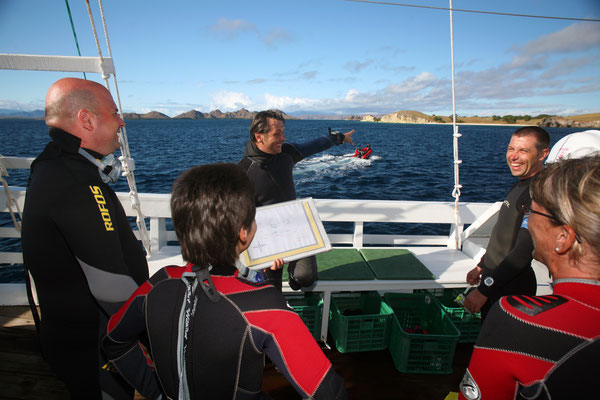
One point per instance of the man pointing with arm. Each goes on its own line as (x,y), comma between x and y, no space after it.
(269,161)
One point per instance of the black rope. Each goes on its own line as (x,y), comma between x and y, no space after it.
(474,11)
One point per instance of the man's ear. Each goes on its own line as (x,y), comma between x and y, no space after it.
(564,239)
(544,153)
(259,137)
(85,118)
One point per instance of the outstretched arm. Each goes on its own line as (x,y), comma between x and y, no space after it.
(299,151)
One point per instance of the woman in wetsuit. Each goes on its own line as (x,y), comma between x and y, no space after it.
(547,347)
(209,330)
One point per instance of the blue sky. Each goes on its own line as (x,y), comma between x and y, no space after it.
(320,56)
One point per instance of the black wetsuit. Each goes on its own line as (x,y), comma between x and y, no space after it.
(220,345)
(544,347)
(507,259)
(271,175)
(85,261)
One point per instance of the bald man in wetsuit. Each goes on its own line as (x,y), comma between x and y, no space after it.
(77,242)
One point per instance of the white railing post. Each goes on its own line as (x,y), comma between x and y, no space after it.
(158,234)
(357,238)
(455,231)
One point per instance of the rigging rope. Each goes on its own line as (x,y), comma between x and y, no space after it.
(455,136)
(125,158)
(476,11)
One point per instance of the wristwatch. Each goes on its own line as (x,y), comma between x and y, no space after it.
(488,281)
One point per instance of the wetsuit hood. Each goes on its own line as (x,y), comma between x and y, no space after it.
(64,140)
(63,144)
(257,154)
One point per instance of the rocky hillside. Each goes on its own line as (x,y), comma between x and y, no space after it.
(194,114)
(560,122)
(416,117)
(150,115)
(401,117)
(218,114)
(411,117)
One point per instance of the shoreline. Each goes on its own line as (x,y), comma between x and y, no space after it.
(450,123)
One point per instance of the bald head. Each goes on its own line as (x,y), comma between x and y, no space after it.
(87,110)
(69,95)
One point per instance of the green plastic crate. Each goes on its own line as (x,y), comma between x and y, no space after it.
(467,324)
(359,322)
(309,307)
(422,353)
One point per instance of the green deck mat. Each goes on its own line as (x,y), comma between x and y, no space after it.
(340,265)
(395,264)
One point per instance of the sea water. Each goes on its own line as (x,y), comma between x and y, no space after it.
(409,161)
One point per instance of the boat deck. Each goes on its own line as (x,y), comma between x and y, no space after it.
(368,375)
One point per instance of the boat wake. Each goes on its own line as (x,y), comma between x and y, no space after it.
(328,165)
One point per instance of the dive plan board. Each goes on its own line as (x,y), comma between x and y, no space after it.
(289,230)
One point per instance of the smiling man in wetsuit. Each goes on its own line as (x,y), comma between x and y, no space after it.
(505,268)
(77,242)
(269,161)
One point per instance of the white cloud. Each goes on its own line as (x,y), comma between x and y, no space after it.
(415,84)
(275,37)
(566,66)
(289,104)
(309,75)
(26,106)
(352,93)
(577,37)
(231,28)
(230,101)
(357,66)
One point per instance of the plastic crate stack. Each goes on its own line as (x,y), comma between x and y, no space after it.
(423,338)
(359,322)
(468,324)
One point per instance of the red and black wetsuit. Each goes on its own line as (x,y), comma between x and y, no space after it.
(85,261)
(544,347)
(226,341)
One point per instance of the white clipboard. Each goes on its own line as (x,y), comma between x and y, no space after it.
(291,230)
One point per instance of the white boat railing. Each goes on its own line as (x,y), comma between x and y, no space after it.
(479,217)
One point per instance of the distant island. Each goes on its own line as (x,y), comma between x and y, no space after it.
(544,120)
(400,117)
(242,113)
